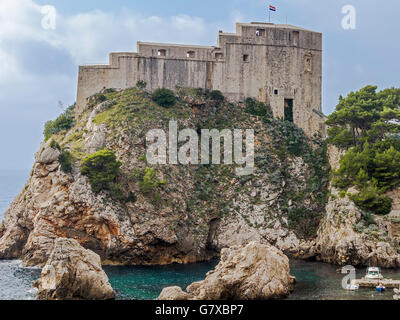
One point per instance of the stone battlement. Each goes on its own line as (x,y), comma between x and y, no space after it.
(280,65)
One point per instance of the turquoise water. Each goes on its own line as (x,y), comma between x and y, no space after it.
(315,281)
(138,283)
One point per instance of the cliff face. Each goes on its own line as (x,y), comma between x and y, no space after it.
(347,237)
(198,211)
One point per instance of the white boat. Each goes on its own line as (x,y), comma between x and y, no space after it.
(373,273)
(353,287)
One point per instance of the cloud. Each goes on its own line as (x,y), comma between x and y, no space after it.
(87,37)
(38,66)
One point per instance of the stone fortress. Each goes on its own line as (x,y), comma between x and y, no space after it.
(280,65)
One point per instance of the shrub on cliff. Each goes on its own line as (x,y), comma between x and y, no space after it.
(64,122)
(164,97)
(304,222)
(141,85)
(217,96)
(102,169)
(150,181)
(257,108)
(371,200)
(65,160)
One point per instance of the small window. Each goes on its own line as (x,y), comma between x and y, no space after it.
(219,55)
(162,52)
(191,54)
(260,32)
(308,64)
(245,57)
(276,91)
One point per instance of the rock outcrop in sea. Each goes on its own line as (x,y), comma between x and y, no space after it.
(73,272)
(252,272)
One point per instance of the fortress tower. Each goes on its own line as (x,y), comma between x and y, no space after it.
(280,65)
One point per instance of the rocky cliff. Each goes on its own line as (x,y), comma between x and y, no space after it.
(196,210)
(349,236)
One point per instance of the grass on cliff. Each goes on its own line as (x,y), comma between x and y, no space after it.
(63,123)
(134,107)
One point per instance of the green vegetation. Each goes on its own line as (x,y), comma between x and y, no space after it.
(102,169)
(288,138)
(54,145)
(370,199)
(65,160)
(257,108)
(141,85)
(150,181)
(217,96)
(133,108)
(366,123)
(164,97)
(304,222)
(64,122)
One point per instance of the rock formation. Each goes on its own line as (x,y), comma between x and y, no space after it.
(199,210)
(343,236)
(73,272)
(339,243)
(253,272)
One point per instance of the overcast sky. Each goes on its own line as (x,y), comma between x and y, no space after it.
(38,67)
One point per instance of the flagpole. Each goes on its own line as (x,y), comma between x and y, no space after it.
(269,11)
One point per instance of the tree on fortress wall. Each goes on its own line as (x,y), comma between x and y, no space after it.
(367,124)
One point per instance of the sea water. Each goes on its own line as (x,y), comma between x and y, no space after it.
(314,281)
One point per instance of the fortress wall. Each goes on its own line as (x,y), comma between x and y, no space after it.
(175,51)
(260,61)
(124,72)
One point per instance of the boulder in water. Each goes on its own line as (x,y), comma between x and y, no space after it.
(73,272)
(252,272)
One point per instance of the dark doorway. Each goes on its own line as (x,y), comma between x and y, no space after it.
(289,110)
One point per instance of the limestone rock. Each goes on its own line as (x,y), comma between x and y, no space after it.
(73,272)
(252,272)
(173,293)
(339,242)
(47,154)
